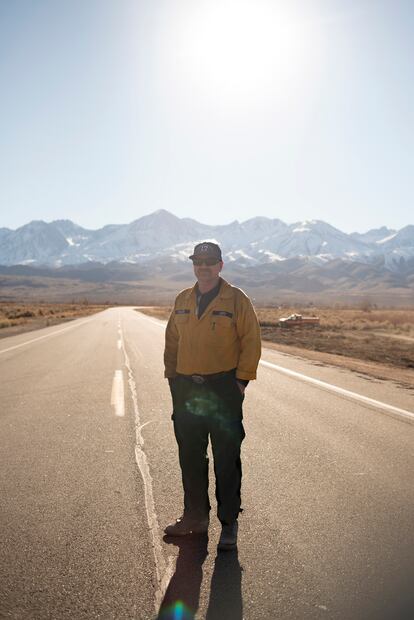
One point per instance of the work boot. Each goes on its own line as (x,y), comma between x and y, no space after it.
(228,538)
(186,525)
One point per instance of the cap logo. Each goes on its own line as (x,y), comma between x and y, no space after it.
(207,248)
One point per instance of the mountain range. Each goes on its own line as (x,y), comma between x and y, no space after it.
(162,235)
(146,261)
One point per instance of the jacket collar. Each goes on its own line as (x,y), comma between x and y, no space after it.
(225,291)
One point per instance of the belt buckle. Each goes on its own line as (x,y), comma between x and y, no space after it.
(198,379)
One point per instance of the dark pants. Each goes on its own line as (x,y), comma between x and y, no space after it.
(212,409)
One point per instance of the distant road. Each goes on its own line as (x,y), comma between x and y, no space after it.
(89,478)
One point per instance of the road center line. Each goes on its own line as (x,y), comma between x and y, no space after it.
(65,329)
(395,411)
(164,569)
(117,395)
(403,413)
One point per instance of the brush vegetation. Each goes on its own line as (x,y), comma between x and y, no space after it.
(16,317)
(379,335)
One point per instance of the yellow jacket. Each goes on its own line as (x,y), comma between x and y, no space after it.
(226,336)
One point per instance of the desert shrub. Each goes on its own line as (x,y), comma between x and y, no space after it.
(365,325)
(406,329)
(366,305)
(383,325)
(19,313)
(27,314)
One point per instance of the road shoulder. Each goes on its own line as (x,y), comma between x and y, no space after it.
(404,377)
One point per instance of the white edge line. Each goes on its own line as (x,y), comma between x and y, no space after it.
(65,329)
(159,322)
(396,411)
(333,388)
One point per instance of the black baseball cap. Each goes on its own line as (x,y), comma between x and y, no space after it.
(206,249)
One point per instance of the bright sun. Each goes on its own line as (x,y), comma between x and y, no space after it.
(239,49)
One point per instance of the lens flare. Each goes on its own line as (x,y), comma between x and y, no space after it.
(177,611)
(210,405)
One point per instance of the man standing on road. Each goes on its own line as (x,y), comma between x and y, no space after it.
(212,349)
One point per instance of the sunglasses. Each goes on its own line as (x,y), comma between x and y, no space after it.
(205,261)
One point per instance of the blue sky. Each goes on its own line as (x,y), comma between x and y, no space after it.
(215,109)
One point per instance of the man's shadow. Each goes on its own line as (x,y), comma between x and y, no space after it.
(182,597)
(225,592)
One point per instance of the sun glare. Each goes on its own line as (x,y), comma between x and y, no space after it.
(234,50)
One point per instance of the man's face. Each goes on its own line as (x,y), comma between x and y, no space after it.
(207,269)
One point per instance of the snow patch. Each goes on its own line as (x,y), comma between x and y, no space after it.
(272,257)
(243,254)
(301,229)
(72,243)
(386,239)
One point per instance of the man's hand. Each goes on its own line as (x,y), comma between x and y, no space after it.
(242,387)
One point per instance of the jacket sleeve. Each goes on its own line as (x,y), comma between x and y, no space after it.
(171,347)
(248,330)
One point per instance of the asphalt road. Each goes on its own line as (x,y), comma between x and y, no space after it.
(89,477)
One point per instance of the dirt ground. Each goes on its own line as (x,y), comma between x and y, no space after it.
(375,342)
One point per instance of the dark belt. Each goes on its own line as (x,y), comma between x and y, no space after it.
(200,379)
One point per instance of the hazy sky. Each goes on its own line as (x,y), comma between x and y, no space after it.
(212,109)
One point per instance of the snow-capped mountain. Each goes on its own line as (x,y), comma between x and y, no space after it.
(161,236)
(312,238)
(376,235)
(404,238)
(36,242)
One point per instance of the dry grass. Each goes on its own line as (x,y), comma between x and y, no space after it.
(159,312)
(338,319)
(16,317)
(383,336)
(376,335)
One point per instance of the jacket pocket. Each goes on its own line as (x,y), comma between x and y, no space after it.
(221,324)
(181,322)
(181,318)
